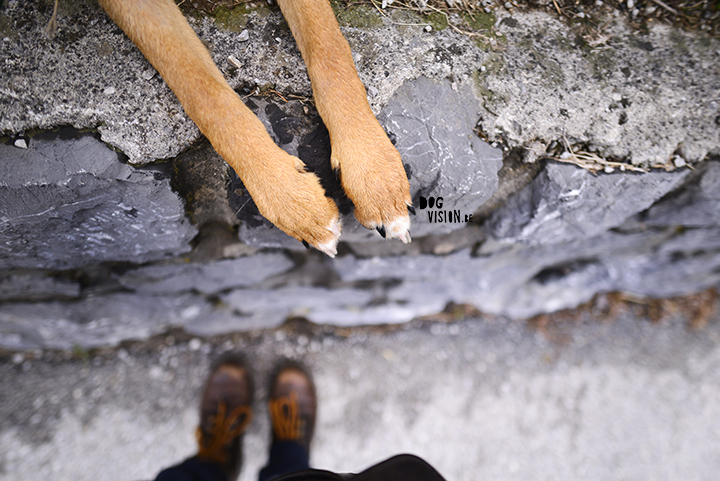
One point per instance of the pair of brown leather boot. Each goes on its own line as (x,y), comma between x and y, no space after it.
(226,410)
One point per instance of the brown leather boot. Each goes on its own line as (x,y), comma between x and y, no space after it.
(293,404)
(225,413)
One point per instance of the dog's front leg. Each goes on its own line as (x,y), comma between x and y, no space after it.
(284,192)
(370,167)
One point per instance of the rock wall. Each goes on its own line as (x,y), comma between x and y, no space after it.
(117,221)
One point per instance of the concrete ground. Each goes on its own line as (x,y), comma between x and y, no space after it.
(481,398)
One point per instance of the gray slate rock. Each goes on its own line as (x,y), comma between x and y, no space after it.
(433,124)
(36,286)
(522,281)
(698,205)
(96,321)
(565,202)
(265,308)
(65,203)
(209,278)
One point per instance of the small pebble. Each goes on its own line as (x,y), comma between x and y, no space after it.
(109,91)
(244,36)
(630,4)
(609,170)
(21,144)
(508,5)
(194,344)
(679,162)
(428,28)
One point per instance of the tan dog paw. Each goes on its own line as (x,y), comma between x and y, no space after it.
(293,200)
(373,176)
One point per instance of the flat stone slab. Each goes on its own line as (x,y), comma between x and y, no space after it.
(66,203)
(205,278)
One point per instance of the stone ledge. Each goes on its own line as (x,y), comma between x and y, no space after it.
(552,237)
(645,255)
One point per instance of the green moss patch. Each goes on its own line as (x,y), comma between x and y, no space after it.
(480,21)
(358,16)
(437,20)
(232,18)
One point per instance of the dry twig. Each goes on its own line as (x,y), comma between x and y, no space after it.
(666,7)
(593,162)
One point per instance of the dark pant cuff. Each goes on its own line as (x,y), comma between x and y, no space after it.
(285,457)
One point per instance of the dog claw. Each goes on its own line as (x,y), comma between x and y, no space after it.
(411,209)
(381,231)
(305,243)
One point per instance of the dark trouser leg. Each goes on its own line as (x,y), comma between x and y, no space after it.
(193,469)
(285,457)
(404,467)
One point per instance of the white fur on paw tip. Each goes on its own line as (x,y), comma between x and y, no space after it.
(399,229)
(330,247)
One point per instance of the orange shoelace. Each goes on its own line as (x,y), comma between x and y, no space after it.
(285,416)
(224,430)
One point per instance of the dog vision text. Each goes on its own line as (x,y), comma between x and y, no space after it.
(447,217)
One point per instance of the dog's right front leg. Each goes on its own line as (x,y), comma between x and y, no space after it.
(371,170)
(283,191)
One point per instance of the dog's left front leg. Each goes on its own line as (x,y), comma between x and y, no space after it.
(286,193)
(371,170)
